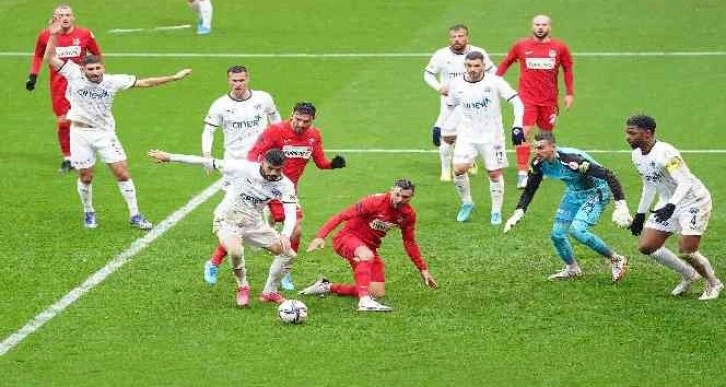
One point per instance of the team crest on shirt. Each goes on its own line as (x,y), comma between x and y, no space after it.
(76,41)
(276,192)
(580,167)
(311,141)
(553,53)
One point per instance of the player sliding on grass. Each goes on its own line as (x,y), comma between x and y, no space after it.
(366,223)
(684,207)
(238,218)
(589,187)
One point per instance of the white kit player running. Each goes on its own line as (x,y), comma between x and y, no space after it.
(448,64)
(683,207)
(91,93)
(238,218)
(477,113)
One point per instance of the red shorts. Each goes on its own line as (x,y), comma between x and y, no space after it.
(58,100)
(278,212)
(345,246)
(544,116)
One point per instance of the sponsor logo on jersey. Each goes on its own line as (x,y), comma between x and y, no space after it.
(484,102)
(297,152)
(68,51)
(540,63)
(76,41)
(251,199)
(94,94)
(456,74)
(245,124)
(381,225)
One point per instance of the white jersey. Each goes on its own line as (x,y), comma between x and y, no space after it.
(91,102)
(249,192)
(658,168)
(448,65)
(478,110)
(242,121)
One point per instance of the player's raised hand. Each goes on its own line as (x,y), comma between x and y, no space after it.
(569,100)
(513,220)
(182,74)
(428,279)
(316,244)
(54,26)
(159,155)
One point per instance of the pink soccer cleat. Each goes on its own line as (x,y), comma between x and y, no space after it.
(272,297)
(243,295)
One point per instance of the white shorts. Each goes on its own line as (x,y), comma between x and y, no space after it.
(690,218)
(444,113)
(258,234)
(86,143)
(494,155)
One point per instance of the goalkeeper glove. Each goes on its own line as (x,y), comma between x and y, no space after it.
(513,220)
(636,227)
(337,162)
(30,83)
(664,213)
(436,135)
(517,136)
(621,215)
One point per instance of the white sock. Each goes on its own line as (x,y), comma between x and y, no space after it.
(239,270)
(702,266)
(446,151)
(128,191)
(496,189)
(206,10)
(461,182)
(85,191)
(666,258)
(279,267)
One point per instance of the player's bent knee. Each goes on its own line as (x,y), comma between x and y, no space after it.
(558,233)
(579,231)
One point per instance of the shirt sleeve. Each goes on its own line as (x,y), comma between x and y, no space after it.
(430,72)
(93,47)
(319,154)
(71,72)
(567,70)
(361,208)
(506,92)
(265,142)
(121,81)
(38,53)
(273,115)
(534,178)
(676,168)
(507,61)
(408,234)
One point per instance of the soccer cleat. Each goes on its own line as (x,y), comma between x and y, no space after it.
(65,167)
(496,218)
(712,291)
(321,287)
(210,273)
(140,222)
(618,267)
(243,295)
(445,176)
(286,282)
(565,273)
(271,297)
(474,169)
(684,285)
(202,30)
(464,212)
(521,181)
(89,220)
(368,304)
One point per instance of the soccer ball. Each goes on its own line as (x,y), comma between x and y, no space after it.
(292,312)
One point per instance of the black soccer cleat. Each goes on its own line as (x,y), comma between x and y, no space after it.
(66,167)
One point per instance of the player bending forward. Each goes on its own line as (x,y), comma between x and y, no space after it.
(589,187)
(684,207)
(238,218)
(366,223)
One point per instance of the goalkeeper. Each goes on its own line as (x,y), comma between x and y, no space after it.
(589,187)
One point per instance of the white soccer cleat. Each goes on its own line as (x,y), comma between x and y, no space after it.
(368,304)
(521,181)
(565,273)
(684,285)
(618,267)
(712,291)
(321,287)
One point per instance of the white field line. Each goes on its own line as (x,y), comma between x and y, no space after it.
(408,151)
(117,262)
(160,28)
(362,55)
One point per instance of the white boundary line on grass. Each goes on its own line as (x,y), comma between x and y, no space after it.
(160,28)
(356,55)
(140,244)
(117,262)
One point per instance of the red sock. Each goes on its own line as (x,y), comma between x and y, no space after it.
(218,255)
(64,137)
(523,152)
(344,290)
(295,244)
(362,276)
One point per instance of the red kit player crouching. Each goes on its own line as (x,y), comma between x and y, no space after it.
(366,223)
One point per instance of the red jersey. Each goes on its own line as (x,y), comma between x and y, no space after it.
(371,218)
(539,64)
(298,148)
(74,45)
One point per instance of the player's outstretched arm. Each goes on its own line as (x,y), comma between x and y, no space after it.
(156,81)
(161,156)
(54,28)
(316,244)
